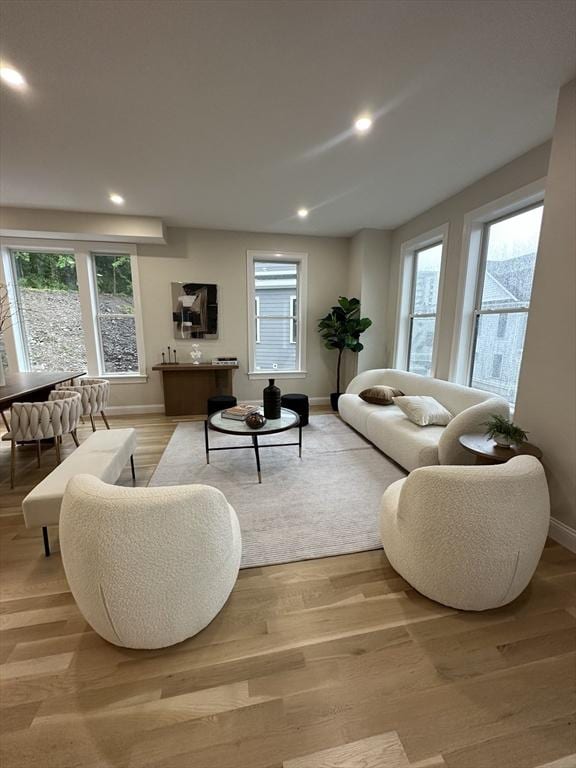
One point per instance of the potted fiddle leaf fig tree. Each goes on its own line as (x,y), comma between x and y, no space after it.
(341,329)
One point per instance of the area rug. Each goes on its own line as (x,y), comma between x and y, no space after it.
(326,503)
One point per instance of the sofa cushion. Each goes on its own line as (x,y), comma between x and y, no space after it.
(380,394)
(423,410)
(397,437)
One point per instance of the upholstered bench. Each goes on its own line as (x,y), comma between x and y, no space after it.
(102,454)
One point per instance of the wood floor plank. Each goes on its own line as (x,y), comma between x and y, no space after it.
(319,664)
(383,751)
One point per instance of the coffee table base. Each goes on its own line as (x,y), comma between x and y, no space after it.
(254,445)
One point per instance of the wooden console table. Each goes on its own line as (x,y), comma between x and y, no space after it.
(187,387)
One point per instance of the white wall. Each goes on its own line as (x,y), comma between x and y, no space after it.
(546,403)
(525,169)
(370,252)
(220,257)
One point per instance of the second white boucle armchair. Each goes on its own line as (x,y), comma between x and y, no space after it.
(468,537)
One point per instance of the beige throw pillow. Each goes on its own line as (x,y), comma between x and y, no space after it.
(380,395)
(423,410)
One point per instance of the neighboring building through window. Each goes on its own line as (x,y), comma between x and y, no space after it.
(275,281)
(424,302)
(508,259)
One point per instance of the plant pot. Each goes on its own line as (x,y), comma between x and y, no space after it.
(334,397)
(503,441)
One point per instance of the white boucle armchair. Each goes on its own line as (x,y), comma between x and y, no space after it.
(468,537)
(148,567)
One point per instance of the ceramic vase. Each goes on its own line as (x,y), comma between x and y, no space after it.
(271,396)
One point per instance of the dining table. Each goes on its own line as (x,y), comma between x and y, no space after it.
(31,386)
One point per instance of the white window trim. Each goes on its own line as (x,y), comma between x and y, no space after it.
(82,250)
(286,256)
(470,271)
(408,249)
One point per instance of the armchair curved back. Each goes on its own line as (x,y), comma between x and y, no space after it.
(38,421)
(473,530)
(148,567)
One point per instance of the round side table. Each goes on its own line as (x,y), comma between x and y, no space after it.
(489,452)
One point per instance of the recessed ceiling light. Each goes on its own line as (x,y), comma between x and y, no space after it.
(302,212)
(363,124)
(116,199)
(12,77)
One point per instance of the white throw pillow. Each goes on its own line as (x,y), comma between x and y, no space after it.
(423,410)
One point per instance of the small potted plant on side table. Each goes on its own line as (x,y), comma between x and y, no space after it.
(504,432)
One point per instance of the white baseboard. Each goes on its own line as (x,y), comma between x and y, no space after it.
(126,410)
(311,400)
(563,534)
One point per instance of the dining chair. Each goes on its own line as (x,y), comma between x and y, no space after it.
(94,394)
(33,422)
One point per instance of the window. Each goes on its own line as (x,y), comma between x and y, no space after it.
(424,301)
(74,308)
(115,313)
(48,310)
(509,247)
(277,284)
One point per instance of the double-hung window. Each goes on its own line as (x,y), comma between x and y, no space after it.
(423,306)
(420,293)
(74,308)
(506,273)
(277,290)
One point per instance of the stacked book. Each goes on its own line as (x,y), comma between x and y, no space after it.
(239,412)
(224,361)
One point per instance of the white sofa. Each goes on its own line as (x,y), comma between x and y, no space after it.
(468,537)
(148,567)
(406,443)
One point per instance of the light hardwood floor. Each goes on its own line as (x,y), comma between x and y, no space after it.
(333,663)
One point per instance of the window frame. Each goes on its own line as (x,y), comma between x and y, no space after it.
(301,259)
(481,279)
(82,251)
(406,293)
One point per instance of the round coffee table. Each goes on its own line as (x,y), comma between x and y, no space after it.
(489,452)
(288,419)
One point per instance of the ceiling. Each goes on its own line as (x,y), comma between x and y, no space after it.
(231,115)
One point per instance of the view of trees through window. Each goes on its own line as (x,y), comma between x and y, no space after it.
(115,311)
(49,310)
(510,247)
(50,313)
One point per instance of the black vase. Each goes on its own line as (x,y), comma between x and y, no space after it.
(271,395)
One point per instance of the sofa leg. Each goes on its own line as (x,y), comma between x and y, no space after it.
(46,541)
